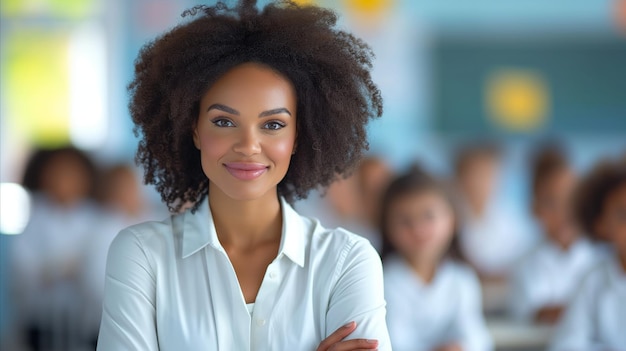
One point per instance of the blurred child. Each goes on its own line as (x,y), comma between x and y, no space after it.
(595,319)
(490,239)
(433,300)
(547,277)
(341,205)
(46,256)
(374,176)
(123,204)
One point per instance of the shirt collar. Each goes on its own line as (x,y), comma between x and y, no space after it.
(199,231)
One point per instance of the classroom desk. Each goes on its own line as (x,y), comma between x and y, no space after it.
(510,335)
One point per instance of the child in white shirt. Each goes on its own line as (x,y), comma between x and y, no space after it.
(595,319)
(433,300)
(545,280)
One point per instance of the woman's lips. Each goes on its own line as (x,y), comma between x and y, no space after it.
(245,171)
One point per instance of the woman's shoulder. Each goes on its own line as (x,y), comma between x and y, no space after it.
(338,249)
(146,236)
(336,239)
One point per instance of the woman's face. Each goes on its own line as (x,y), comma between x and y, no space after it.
(246,131)
(421,225)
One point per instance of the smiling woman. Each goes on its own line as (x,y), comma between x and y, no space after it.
(240,112)
(247,132)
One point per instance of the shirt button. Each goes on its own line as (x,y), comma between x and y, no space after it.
(260,322)
(272,275)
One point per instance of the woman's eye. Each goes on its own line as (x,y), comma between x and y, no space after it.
(273,125)
(221,122)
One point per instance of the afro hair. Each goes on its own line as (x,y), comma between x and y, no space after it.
(329,68)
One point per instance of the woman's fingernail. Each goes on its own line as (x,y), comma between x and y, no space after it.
(372,341)
(350,324)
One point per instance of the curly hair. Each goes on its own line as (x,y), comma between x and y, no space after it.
(593,191)
(417,181)
(329,68)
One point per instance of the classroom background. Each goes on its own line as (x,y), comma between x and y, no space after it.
(452,74)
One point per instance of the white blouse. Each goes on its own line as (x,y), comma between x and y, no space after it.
(422,317)
(595,319)
(171,286)
(549,276)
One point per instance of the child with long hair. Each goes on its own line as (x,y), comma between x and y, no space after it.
(433,300)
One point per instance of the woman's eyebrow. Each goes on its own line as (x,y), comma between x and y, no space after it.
(274,112)
(223,108)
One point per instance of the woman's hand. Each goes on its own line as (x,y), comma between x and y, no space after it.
(334,342)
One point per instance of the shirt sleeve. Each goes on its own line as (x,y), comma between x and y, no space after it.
(128,316)
(358,295)
(470,327)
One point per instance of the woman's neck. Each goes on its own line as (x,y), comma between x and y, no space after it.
(247,223)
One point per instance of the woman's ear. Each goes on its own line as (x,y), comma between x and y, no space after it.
(196,138)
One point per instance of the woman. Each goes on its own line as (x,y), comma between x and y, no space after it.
(240,113)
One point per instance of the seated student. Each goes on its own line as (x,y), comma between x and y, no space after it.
(491,237)
(545,280)
(46,257)
(595,318)
(433,300)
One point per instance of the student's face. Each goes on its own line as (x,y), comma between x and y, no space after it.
(612,221)
(374,177)
(421,225)
(65,179)
(479,177)
(552,206)
(125,192)
(246,131)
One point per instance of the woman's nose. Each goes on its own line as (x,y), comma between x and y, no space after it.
(248,143)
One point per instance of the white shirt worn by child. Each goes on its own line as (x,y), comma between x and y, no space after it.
(549,276)
(422,317)
(596,319)
(46,259)
(494,242)
(171,286)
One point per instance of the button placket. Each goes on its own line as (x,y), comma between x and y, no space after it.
(264,305)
